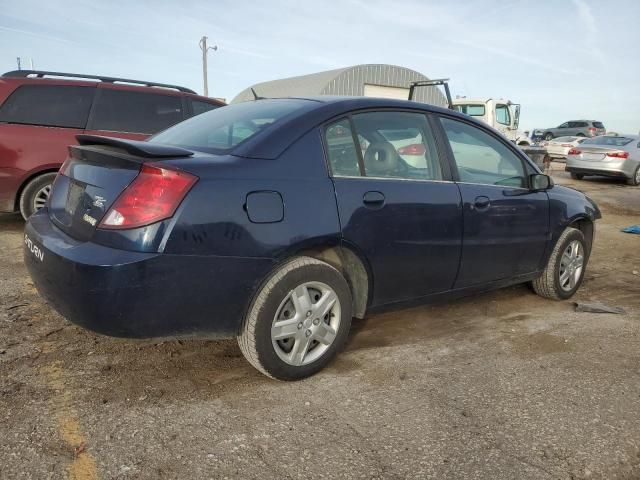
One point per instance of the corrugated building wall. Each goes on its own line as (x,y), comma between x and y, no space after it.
(359,80)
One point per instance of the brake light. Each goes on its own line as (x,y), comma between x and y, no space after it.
(154,195)
(575,151)
(414,149)
(618,154)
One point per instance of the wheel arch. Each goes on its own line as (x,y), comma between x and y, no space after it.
(29,179)
(587,226)
(351,265)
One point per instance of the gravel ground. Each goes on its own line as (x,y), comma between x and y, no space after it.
(499,386)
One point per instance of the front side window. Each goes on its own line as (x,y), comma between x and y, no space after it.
(502,115)
(564,125)
(482,158)
(136,112)
(48,105)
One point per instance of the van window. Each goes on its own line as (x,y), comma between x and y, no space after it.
(136,112)
(198,107)
(48,105)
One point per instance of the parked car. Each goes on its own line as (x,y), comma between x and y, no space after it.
(578,128)
(608,155)
(42,112)
(280,233)
(558,148)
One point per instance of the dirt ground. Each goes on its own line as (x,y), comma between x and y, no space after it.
(504,385)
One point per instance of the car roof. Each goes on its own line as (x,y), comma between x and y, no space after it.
(60,78)
(317,110)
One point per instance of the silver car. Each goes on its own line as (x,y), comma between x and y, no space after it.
(608,155)
(578,128)
(559,147)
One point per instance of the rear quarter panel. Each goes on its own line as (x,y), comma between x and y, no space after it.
(214,219)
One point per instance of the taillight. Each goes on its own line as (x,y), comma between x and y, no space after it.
(575,151)
(592,131)
(154,195)
(618,154)
(414,149)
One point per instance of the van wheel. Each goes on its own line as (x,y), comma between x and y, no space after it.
(35,194)
(565,269)
(577,176)
(298,321)
(635,179)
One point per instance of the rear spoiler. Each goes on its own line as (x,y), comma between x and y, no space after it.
(135,147)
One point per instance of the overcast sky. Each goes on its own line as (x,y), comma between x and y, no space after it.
(560,59)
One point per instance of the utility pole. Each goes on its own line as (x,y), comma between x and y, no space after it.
(205,49)
(19,64)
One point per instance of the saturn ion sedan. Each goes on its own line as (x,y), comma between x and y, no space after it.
(277,221)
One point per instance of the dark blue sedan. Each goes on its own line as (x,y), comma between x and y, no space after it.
(277,221)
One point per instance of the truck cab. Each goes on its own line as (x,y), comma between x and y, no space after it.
(503,115)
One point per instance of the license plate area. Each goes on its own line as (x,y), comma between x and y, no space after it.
(74,198)
(592,156)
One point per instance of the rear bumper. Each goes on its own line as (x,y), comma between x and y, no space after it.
(139,295)
(624,168)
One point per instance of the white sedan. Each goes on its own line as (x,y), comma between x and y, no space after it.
(559,147)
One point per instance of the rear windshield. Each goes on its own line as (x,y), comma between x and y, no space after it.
(598,124)
(610,141)
(222,129)
(564,139)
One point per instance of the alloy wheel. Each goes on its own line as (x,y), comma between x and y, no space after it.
(571,265)
(41,197)
(306,323)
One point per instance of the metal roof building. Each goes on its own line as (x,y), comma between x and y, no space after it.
(387,81)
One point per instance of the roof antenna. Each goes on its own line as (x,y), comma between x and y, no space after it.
(255,95)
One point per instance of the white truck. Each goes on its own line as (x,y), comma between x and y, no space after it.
(503,115)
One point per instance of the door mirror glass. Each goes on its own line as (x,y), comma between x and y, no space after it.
(540,181)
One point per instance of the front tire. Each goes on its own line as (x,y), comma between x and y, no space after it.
(577,176)
(299,320)
(35,194)
(565,269)
(548,136)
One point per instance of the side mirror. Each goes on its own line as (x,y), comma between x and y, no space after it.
(540,181)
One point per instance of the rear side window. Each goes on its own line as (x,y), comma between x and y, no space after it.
(136,112)
(391,145)
(198,107)
(48,105)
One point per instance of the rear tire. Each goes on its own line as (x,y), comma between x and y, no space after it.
(565,269)
(635,179)
(35,194)
(298,321)
(577,176)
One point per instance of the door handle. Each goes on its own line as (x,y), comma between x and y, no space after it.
(373,200)
(481,203)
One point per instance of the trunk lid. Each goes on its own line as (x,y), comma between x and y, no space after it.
(93,177)
(594,153)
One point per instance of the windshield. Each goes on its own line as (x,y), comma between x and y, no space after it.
(222,129)
(608,141)
(469,109)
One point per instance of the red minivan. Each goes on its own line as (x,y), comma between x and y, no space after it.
(42,112)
